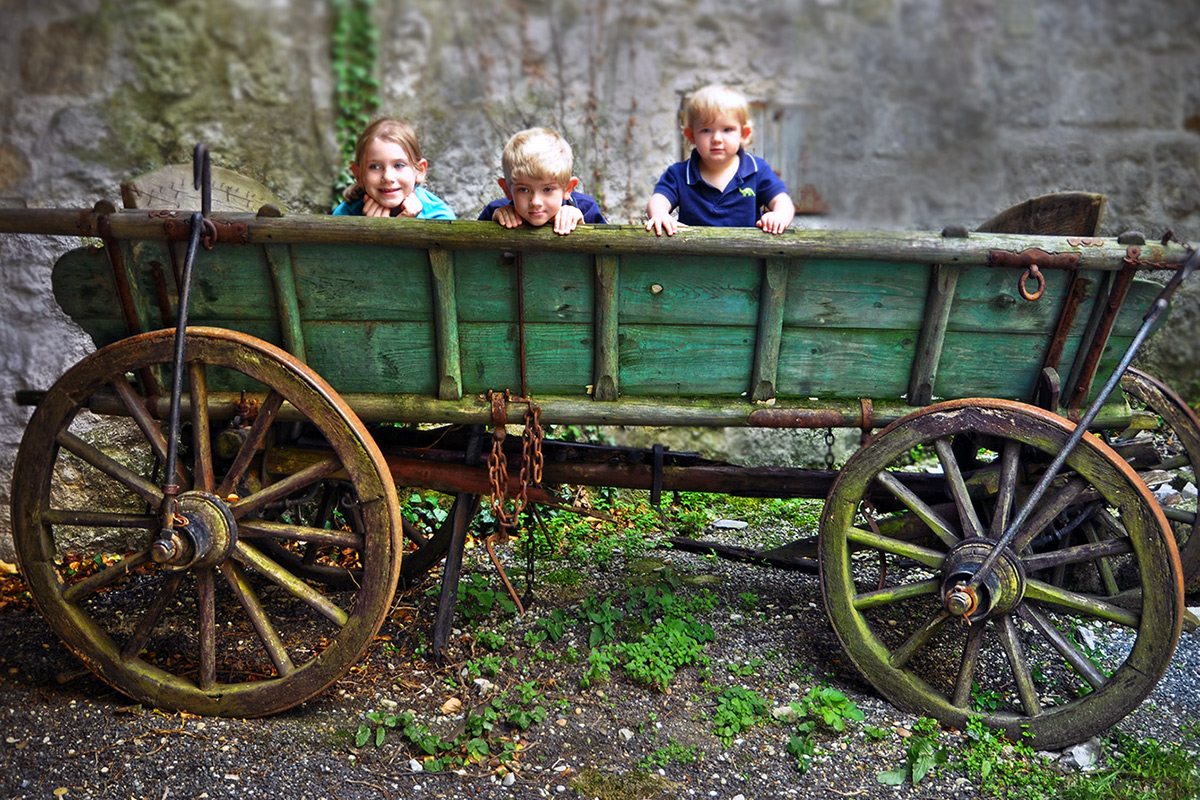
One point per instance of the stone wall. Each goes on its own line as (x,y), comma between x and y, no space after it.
(895,113)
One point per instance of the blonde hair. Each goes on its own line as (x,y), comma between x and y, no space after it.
(711,101)
(389,130)
(538,153)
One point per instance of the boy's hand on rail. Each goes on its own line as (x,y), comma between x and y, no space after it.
(566,220)
(507,216)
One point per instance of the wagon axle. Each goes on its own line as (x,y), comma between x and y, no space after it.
(204,533)
(997,593)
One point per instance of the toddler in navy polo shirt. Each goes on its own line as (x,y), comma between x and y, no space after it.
(538,185)
(720,184)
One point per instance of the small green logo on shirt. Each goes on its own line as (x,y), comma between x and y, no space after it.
(747,191)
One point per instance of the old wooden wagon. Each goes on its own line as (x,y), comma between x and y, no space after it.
(235,551)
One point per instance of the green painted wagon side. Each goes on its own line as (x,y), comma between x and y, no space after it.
(436,315)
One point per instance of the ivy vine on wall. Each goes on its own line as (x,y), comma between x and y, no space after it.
(354,51)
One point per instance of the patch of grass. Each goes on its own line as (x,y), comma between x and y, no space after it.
(1140,770)
(635,785)
(671,753)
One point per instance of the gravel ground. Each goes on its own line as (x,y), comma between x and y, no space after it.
(79,738)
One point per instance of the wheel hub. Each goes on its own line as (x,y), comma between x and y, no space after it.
(204,538)
(1000,591)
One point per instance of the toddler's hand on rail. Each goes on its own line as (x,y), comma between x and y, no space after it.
(663,224)
(566,220)
(773,222)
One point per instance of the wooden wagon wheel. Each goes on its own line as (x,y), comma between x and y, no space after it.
(224,629)
(1173,444)
(1023,654)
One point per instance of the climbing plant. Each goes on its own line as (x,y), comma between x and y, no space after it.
(354,51)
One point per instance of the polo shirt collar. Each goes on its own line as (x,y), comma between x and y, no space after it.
(746,166)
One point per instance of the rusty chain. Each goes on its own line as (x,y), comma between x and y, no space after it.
(532,461)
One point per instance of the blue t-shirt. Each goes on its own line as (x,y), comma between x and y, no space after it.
(585,203)
(739,206)
(432,206)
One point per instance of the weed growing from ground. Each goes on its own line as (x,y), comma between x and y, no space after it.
(922,753)
(823,709)
(737,709)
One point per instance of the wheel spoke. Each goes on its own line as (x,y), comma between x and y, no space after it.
(904,653)
(1010,464)
(270,639)
(110,467)
(288,486)
(1078,661)
(147,424)
(207,626)
(280,576)
(922,555)
(1047,511)
(251,528)
(254,439)
(968,665)
(1006,629)
(958,489)
(1102,564)
(890,595)
(98,519)
(1077,554)
(151,616)
(78,591)
(201,429)
(940,527)
(1074,602)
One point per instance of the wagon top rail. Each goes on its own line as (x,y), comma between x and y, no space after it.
(953,246)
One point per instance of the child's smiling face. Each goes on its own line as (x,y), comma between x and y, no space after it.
(718,139)
(537,200)
(387,173)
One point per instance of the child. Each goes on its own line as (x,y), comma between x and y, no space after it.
(538,185)
(388,172)
(720,184)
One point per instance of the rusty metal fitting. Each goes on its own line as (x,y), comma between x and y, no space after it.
(961,601)
(1032,272)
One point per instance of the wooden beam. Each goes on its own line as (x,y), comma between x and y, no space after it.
(287,304)
(942,281)
(771,302)
(445,322)
(606,364)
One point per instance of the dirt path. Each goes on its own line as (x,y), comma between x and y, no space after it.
(81,739)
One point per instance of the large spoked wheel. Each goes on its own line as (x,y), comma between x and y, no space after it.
(1060,663)
(1174,444)
(212,623)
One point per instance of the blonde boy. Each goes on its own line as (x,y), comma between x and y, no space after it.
(538,185)
(720,184)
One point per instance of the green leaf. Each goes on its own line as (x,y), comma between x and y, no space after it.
(380,735)
(362,735)
(893,777)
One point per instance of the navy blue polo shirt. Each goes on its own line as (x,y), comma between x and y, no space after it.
(700,203)
(585,203)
